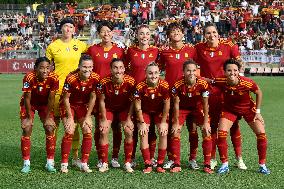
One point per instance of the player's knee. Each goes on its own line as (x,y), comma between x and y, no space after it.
(86,130)
(27,131)
(49,129)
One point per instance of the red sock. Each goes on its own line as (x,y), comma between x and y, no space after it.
(86,147)
(161,156)
(104,153)
(236,139)
(207,148)
(135,141)
(66,147)
(26,147)
(214,142)
(146,156)
(128,147)
(152,141)
(169,148)
(176,150)
(261,147)
(50,143)
(116,141)
(223,145)
(193,143)
(97,141)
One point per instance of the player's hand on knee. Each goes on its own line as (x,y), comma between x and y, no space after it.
(163,129)
(176,128)
(87,123)
(69,125)
(128,124)
(104,126)
(258,117)
(27,122)
(206,129)
(143,129)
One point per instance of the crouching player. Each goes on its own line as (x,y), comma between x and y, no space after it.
(115,102)
(77,102)
(190,95)
(239,103)
(39,88)
(152,103)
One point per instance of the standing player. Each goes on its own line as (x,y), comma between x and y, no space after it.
(115,103)
(171,60)
(77,103)
(239,103)
(152,104)
(102,54)
(136,60)
(211,56)
(65,54)
(39,88)
(190,95)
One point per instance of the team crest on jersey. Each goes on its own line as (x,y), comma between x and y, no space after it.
(105,55)
(114,55)
(174,90)
(116,92)
(189,95)
(177,56)
(143,56)
(75,47)
(220,53)
(26,85)
(186,55)
(83,88)
(40,88)
(153,96)
(99,87)
(150,55)
(66,86)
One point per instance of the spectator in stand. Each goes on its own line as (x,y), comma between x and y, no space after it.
(34,6)
(28,10)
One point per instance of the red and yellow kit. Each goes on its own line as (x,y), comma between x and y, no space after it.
(237,99)
(172,60)
(117,97)
(40,91)
(191,99)
(103,56)
(211,60)
(152,99)
(137,59)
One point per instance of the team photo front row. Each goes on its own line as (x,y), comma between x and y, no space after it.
(140,109)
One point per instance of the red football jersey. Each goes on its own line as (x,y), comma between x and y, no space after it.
(172,60)
(190,97)
(237,98)
(80,90)
(211,60)
(39,89)
(117,97)
(152,99)
(102,57)
(137,59)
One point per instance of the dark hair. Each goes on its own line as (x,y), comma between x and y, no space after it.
(142,26)
(106,24)
(209,24)
(115,60)
(173,26)
(66,20)
(189,61)
(85,57)
(232,61)
(39,60)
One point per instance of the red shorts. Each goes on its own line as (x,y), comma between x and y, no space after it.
(232,116)
(42,112)
(156,118)
(78,111)
(121,116)
(197,115)
(215,108)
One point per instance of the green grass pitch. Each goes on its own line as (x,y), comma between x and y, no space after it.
(11,163)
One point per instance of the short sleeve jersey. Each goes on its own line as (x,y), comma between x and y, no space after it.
(80,90)
(66,57)
(190,97)
(39,90)
(103,56)
(117,97)
(136,61)
(172,60)
(237,98)
(152,98)
(211,60)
